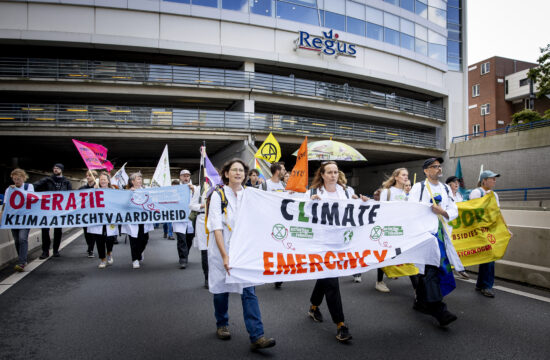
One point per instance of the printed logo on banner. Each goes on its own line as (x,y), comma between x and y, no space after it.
(348,235)
(393,231)
(142,199)
(279,233)
(492,239)
(376,233)
(301,232)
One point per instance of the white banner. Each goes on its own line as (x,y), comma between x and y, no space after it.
(161,177)
(277,238)
(120,179)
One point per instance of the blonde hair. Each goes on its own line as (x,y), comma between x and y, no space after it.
(342,178)
(391,180)
(19,172)
(105,173)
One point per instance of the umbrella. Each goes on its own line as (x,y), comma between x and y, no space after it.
(332,150)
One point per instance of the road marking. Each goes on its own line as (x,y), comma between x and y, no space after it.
(513,291)
(15,278)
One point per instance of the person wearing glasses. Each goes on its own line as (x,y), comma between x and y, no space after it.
(429,298)
(221,222)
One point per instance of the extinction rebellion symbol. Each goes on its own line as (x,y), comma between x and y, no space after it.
(269,152)
(279,233)
(491,238)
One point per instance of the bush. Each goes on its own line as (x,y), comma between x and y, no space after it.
(526,116)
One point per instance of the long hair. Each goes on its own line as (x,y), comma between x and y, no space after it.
(228,165)
(391,181)
(105,173)
(318,182)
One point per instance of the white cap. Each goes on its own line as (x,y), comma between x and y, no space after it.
(183,172)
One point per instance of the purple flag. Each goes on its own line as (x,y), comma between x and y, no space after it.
(211,176)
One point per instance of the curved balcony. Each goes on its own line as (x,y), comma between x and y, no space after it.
(193,119)
(153,74)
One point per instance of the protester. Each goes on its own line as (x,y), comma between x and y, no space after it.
(407,187)
(20,236)
(104,235)
(254,179)
(325,186)
(376,194)
(91,175)
(393,189)
(198,205)
(55,182)
(139,234)
(221,220)
(285,178)
(486,274)
(275,183)
(452,182)
(168,231)
(429,298)
(184,229)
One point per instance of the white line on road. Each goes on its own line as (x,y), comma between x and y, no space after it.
(13,279)
(513,291)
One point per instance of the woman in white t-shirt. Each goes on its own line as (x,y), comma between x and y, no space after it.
(393,189)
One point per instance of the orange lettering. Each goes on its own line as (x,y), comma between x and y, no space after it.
(300,260)
(315,262)
(342,256)
(381,257)
(362,258)
(268,264)
(328,264)
(353,260)
(288,266)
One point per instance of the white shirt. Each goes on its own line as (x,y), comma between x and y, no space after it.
(274,186)
(458,197)
(480,192)
(30,189)
(396,194)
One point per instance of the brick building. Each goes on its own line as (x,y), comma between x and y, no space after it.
(487,93)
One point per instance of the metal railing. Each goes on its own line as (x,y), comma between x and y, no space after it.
(524,194)
(504,130)
(194,119)
(152,74)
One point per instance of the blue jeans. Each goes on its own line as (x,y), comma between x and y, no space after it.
(21,240)
(251,312)
(486,276)
(167,227)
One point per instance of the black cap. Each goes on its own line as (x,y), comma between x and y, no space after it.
(431,161)
(59,165)
(451,179)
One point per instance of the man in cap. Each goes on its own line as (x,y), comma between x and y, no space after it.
(184,230)
(486,274)
(429,298)
(56,182)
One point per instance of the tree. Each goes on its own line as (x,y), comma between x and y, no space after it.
(525,116)
(541,74)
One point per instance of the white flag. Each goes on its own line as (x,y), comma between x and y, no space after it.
(161,177)
(120,179)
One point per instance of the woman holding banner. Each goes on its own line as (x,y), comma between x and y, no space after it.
(139,234)
(325,186)
(104,235)
(222,212)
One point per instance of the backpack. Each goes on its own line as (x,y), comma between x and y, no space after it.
(314,191)
(423,185)
(220,190)
(26,186)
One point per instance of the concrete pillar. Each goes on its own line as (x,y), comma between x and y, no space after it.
(248,66)
(244,106)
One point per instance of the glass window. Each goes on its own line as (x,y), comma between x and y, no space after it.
(421,47)
(180,1)
(391,21)
(437,16)
(421,32)
(391,36)
(453,64)
(375,16)
(453,48)
(310,3)
(356,26)
(436,38)
(335,21)
(407,42)
(423,1)
(375,32)
(209,3)
(453,35)
(453,15)
(239,5)
(336,6)
(437,52)
(394,2)
(441,4)
(407,5)
(262,7)
(297,13)
(421,9)
(407,27)
(455,3)
(355,10)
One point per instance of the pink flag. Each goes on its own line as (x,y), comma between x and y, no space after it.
(94,155)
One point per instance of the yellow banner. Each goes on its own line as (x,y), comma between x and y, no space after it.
(270,150)
(480,234)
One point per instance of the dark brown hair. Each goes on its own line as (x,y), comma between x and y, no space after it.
(228,165)
(318,182)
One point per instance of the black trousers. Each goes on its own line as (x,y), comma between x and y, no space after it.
(183,250)
(428,291)
(379,275)
(139,243)
(46,239)
(189,240)
(103,241)
(329,288)
(90,240)
(204,261)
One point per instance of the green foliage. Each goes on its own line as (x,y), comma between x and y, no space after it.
(525,116)
(541,74)
(546,115)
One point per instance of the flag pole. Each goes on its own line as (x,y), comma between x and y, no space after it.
(201,185)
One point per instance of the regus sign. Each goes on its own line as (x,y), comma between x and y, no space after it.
(327,44)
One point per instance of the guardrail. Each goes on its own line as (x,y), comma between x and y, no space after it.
(524,194)
(504,130)
(151,74)
(98,115)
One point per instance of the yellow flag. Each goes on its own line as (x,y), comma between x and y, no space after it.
(270,150)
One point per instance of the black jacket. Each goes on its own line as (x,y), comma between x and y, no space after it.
(49,184)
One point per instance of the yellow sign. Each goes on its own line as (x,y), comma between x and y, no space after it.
(400,270)
(270,150)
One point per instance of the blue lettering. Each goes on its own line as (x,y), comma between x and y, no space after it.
(352,50)
(342,49)
(303,38)
(329,47)
(317,43)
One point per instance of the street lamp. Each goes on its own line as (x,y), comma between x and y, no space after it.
(484,128)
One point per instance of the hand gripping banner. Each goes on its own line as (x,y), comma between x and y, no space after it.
(277,238)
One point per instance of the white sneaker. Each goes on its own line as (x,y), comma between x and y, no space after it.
(357,278)
(381,286)
(110,260)
(135,264)
(102,265)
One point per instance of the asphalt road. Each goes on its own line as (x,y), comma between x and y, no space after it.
(69,309)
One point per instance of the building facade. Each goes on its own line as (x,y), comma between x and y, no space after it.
(387,77)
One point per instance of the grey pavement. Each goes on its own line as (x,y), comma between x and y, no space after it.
(69,309)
